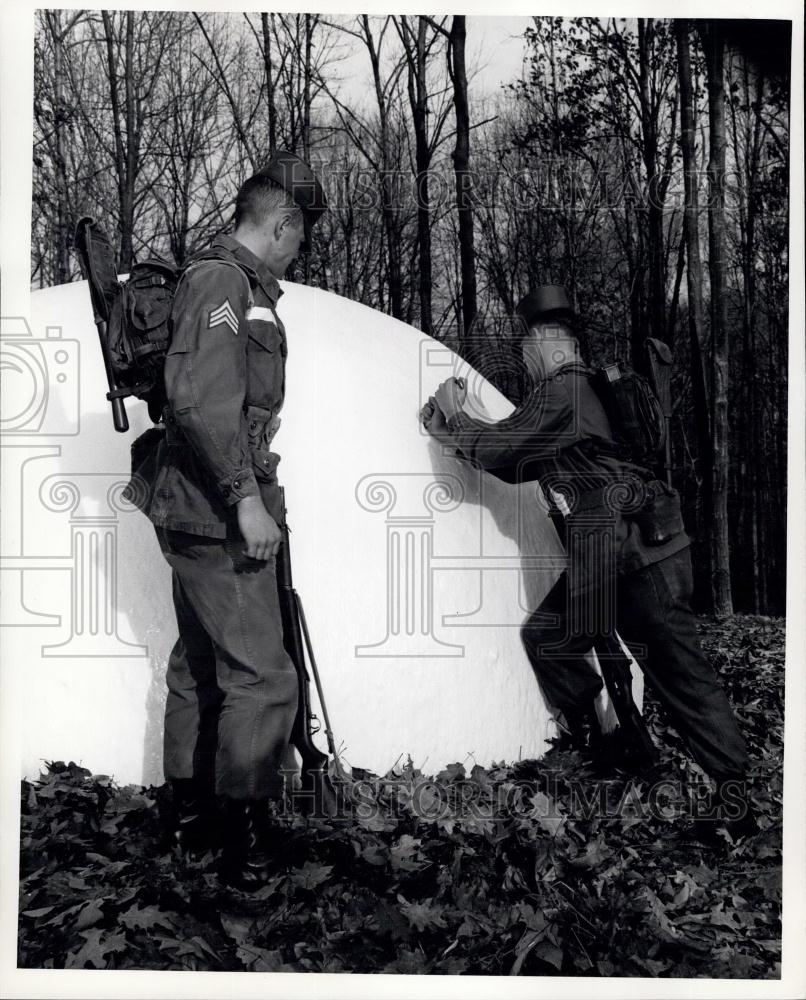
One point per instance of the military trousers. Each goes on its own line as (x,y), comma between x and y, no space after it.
(232,688)
(651,610)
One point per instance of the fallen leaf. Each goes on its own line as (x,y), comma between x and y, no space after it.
(311,875)
(91,914)
(403,854)
(95,949)
(146,918)
(422,915)
(40,912)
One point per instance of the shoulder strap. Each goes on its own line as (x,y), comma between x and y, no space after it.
(570,367)
(224,256)
(219,255)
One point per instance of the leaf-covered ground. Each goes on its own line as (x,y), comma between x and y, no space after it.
(538,868)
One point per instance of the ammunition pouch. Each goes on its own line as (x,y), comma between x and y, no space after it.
(261,426)
(661,518)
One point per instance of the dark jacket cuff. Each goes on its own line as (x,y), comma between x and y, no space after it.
(458,421)
(237,486)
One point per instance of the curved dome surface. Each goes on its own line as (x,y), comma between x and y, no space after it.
(415,570)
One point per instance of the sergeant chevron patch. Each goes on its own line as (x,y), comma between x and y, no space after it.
(223,314)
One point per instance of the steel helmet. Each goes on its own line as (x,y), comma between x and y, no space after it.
(546,302)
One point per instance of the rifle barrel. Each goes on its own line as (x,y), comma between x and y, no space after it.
(331,743)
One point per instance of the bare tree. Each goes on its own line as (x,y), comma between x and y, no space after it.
(418,46)
(714,45)
(694,277)
(53,133)
(461,163)
(267,25)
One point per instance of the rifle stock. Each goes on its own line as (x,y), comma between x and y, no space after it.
(617,676)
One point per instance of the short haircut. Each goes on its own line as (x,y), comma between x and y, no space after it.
(562,324)
(554,320)
(258,198)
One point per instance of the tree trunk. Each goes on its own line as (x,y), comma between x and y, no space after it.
(713,41)
(306,91)
(387,183)
(691,225)
(418,99)
(62,268)
(759,590)
(464,178)
(306,134)
(747,224)
(127,204)
(124,263)
(654,208)
(264,20)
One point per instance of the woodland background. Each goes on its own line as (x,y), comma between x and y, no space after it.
(643,163)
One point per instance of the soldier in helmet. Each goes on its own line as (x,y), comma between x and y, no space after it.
(212,493)
(628,561)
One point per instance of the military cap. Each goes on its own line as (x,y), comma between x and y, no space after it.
(295,175)
(546,302)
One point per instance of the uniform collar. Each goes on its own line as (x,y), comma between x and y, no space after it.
(270,284)
(569,368)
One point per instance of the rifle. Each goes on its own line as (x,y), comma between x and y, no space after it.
(318,794)
(612,659)
(617,676)
(615,666)
(98,265)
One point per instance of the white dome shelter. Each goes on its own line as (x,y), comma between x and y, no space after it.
(416,571)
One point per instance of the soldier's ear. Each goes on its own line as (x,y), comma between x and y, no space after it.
(286,220)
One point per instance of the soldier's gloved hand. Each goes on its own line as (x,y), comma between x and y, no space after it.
(259,529)
(450,396)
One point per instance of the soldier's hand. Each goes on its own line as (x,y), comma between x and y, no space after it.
(434,421)
(450,396)
(259,529)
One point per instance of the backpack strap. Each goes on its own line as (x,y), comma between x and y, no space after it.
(220,256)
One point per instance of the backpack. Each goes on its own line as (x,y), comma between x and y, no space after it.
(634,411)
(133,317)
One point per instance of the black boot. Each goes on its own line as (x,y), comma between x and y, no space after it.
(731,810)
(622,750)
(250,852)
(582,729)
(193,818)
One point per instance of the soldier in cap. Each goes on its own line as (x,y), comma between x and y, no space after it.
(628,556)
(212,493)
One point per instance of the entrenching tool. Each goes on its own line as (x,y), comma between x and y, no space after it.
(98,264)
